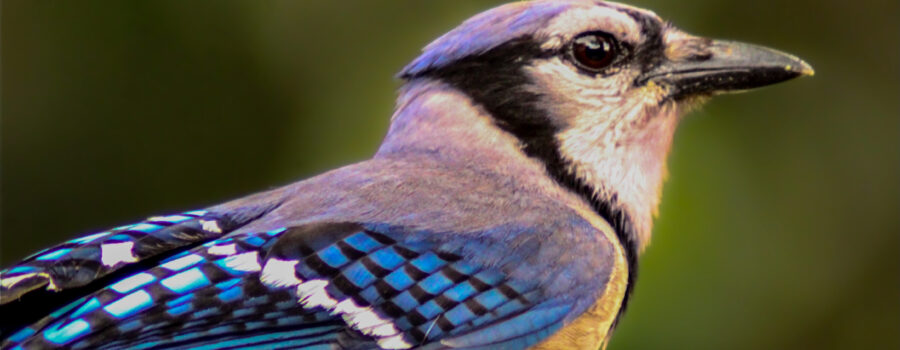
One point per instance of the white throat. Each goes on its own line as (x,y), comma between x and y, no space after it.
(624,161)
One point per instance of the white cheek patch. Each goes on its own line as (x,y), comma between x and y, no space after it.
(572,93)
(623,154)
(313,293)
(114,253)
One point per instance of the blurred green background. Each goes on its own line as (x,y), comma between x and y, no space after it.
(779,225)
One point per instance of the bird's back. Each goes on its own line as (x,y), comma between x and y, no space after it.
(390,240)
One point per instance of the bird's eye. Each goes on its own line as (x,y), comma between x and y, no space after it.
(593,51)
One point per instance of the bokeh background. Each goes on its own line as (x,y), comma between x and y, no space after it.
(779,225)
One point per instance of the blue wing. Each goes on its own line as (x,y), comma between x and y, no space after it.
(402,292)
(48,280)
(333,285)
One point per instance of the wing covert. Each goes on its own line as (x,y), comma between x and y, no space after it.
(345,285)
(404,293)
(50,279)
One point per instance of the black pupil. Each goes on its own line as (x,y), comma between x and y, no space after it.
(593,51)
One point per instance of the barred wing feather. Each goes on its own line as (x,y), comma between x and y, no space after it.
(330,285)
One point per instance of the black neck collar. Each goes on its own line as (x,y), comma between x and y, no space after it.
(495,81)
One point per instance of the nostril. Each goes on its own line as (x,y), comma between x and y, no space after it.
(700,56)
(697,49)
(689,49)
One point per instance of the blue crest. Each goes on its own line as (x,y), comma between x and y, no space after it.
(485,32)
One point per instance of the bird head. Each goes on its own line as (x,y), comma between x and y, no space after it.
(594,90)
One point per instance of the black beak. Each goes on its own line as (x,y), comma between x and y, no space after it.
(726,67)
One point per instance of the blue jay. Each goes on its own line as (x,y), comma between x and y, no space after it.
(505,208)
